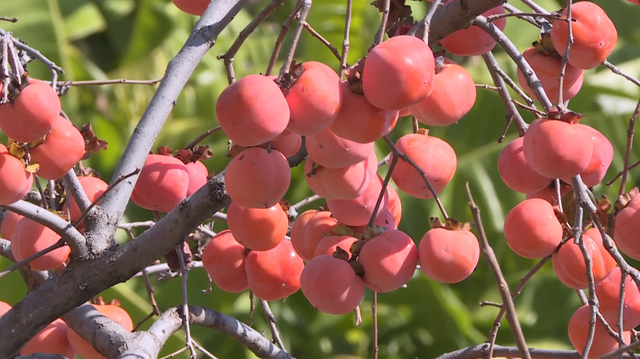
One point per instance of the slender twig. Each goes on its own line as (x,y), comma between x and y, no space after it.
(581,203)
(275,334)
(383,22)
(304,11)
(29,259)
(383,190)
(174,354)
(512,51)
(512,113)
(109,82)
(184,270)
(10,19)
(487,303)
(203,350)
(534,6)
(512,317)
(132,225)
(345,41)
(243,35)
(324,41)
(286,26)
(565,58)
(374,309)
(558,194)
(493,334)
(408,159)
(305,202)
(427,20)
(206,134)
(616,70)
(36,54)
(634,165)
(627,153)
(523,15)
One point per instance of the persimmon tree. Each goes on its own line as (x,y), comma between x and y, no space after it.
(60,218)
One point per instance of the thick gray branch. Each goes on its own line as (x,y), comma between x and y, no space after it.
(82,280)
(204,36)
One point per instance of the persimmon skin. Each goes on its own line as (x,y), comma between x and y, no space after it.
(395,204)
(318,226)
(473,40)
(93,187)
(252,110)
(274,274)
(4,307)
(223,259)
(515,172)
(600,160)
(453,96)
(627,227)
(331,285)
(192,7)
(569,266)
(389,261)
(113,312)
(557,149)
(15,182)
(289,144)
(360,121)
(298,228)
(198,174)
(30,237)
(8,224)
(433,155)
(32,114)
(448,256)
(341,183)
(608,261)
(314,99)
(259,229)
(51,340)
(61,150)
(394,77)
(547,69)
(603,343)
(358,211)
(162,183)
(332,151)
(256,178)
(532,230)
(594,35)
(608,293)
(328,245)
(384,219)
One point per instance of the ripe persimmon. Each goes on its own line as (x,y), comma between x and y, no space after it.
(93,187)
(9,223)
(389,260)
(15,182)
(341,183)
(51,340)
(314,98)
(627,227)
(258,229)
(193,7)
(274,274)
(473,40)
(198,174)
(448,255)
(602,343)
(223,259)
(332,151)
(532,229)
(252,110)
(432,155)
(30,237)
(61,150)
(397,72)
(594,35)
(358,211)
(318,226)
(516,173)
(162,183)
(257,178)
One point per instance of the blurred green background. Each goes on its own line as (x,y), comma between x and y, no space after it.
(135,39)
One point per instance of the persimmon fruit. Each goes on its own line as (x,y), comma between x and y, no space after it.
(532,229)
(223,259)
(61,150)
(448,255)
(259,229)
(389,260)
(162,184)
(274,274)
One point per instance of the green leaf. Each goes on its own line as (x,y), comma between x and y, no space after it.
(84,21)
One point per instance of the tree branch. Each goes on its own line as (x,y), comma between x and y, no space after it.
(217,16)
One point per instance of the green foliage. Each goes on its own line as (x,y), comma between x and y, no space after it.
(135,39)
